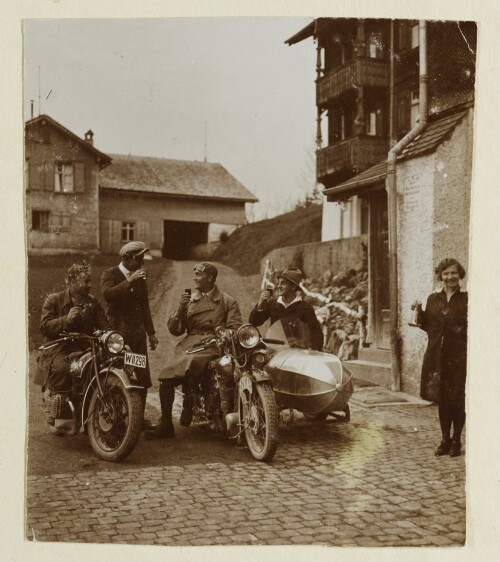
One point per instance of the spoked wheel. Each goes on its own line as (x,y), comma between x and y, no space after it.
(259,417)
(115,420)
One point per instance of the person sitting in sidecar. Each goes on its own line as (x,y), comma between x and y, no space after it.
(297,316)
(71,310)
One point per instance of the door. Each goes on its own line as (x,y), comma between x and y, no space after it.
(381,272)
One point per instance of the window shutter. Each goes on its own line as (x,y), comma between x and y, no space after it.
(49,173)
(79,179)
(34,176)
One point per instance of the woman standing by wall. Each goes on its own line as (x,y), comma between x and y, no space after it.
(445,360)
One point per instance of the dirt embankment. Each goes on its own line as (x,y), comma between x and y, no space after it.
(246,247)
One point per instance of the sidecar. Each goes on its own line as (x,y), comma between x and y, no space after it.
(312,382)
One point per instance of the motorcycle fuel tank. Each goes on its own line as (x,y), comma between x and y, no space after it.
(310,381)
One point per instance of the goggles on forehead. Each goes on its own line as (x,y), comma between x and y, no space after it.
(200,268)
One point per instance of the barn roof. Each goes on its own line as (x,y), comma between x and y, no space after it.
(183,178)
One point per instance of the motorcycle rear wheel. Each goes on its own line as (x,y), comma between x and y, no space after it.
(115,420)
(259,417)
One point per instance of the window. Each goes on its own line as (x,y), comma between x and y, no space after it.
(60,223)
(64,178)
(374,123)
(414,107)
(414,35)
(128,231)
(374,46)
(408,35)
(40,220)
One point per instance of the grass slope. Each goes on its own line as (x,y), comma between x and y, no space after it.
(246,247)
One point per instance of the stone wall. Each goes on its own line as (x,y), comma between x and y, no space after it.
(318,257)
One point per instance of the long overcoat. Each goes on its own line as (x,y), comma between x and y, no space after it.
(54,321)
(445,360)
(198,321)
(127,306)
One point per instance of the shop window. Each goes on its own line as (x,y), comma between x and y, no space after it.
(128,231)
(40,220)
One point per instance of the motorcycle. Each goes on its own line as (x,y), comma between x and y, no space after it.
(105,399)
(313,382)
(235,396)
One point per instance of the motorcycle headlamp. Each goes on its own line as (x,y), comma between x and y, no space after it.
(248,336)
(220,332)
(113,342)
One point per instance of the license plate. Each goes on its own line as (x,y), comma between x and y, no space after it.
(135,360)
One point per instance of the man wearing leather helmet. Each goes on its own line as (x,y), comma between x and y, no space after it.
(197,315)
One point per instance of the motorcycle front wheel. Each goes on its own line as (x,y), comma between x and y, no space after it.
(259,418)
(115,420)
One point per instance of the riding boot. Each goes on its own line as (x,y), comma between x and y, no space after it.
(188,402)
(146,424)
(165,428)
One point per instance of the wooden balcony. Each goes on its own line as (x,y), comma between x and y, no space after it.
(359,72)
(355,154)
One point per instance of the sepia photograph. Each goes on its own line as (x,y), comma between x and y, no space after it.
(248,254)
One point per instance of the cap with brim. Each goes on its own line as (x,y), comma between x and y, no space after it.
(206,267)
(135,249)
(292,275)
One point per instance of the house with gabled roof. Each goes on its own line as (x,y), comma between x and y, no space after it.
(79,199)
(398,92)
(172,205)
(61,181)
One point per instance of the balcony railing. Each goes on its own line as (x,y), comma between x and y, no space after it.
(359,72)
(355,154)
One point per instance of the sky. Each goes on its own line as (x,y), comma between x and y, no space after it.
(152,87)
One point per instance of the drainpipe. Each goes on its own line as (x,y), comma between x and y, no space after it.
(391,187)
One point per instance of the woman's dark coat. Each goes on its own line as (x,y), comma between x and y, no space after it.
(298,319)
(445,360)
(129,313)
(198,321)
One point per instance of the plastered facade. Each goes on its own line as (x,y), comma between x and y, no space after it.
(433,223)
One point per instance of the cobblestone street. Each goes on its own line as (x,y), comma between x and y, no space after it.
(371,482)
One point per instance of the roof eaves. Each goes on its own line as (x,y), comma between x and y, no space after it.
(178,195)
(106,159)
(304,33)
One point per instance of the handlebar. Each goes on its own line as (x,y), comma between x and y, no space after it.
(271,341)
(65,336)
(208,345)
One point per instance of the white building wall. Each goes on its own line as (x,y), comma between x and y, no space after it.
(341,220)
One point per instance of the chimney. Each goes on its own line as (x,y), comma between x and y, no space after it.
(89,137)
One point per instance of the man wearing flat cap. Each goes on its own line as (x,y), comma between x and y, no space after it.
(294,313)
(197,316)
(125,292)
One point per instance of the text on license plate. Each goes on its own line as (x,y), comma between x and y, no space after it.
(135,360)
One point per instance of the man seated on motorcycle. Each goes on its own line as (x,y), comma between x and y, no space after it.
(297,317)
(71,310)
(197,316)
